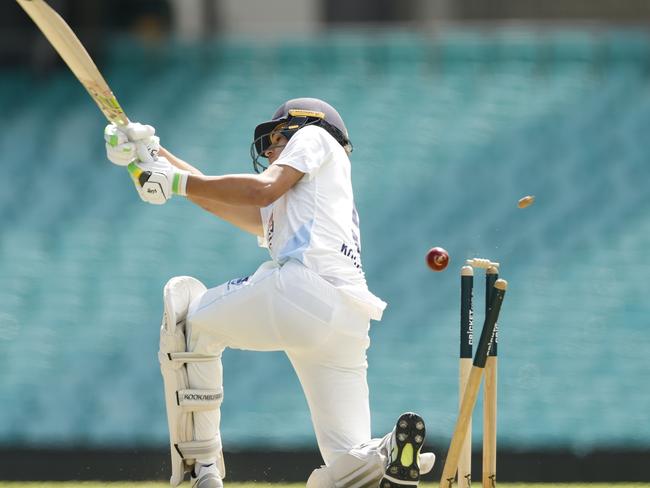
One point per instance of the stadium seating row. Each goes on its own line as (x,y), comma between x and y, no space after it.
(449,132)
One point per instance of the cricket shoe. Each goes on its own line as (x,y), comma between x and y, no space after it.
(403,468)
(206,477)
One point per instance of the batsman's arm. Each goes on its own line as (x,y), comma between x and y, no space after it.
(246,218)
(178,162)
(245,189)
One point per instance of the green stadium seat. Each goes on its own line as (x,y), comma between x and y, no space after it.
(449,132)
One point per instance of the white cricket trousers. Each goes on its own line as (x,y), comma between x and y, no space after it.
(323,332)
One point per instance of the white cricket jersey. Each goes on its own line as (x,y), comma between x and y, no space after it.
(316,222)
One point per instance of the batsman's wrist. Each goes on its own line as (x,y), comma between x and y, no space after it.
(179,182)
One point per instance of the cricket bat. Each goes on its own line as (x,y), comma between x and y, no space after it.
(66,43)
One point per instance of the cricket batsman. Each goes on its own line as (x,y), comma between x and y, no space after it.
(309,300)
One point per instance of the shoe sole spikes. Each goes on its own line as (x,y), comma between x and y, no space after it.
(404,467)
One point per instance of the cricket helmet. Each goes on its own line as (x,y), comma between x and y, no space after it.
(293,115)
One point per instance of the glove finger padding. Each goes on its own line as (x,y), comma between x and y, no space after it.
(122,154)
(136,131)
(119,150)
(114,136)
(147,149)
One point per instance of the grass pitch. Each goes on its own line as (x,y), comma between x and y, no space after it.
(136,484)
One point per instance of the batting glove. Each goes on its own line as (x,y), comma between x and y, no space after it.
(158,181)
(130,143)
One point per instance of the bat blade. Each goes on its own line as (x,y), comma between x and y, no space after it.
(66,43)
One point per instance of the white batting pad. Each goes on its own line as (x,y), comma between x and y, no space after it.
(181,401)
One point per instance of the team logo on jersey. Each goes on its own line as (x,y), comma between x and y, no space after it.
(354,253)
(269,231)
(237,282)
(349,252)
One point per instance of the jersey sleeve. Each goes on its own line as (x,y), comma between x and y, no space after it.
(306,151)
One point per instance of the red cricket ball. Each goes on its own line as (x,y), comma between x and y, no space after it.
(437,258)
